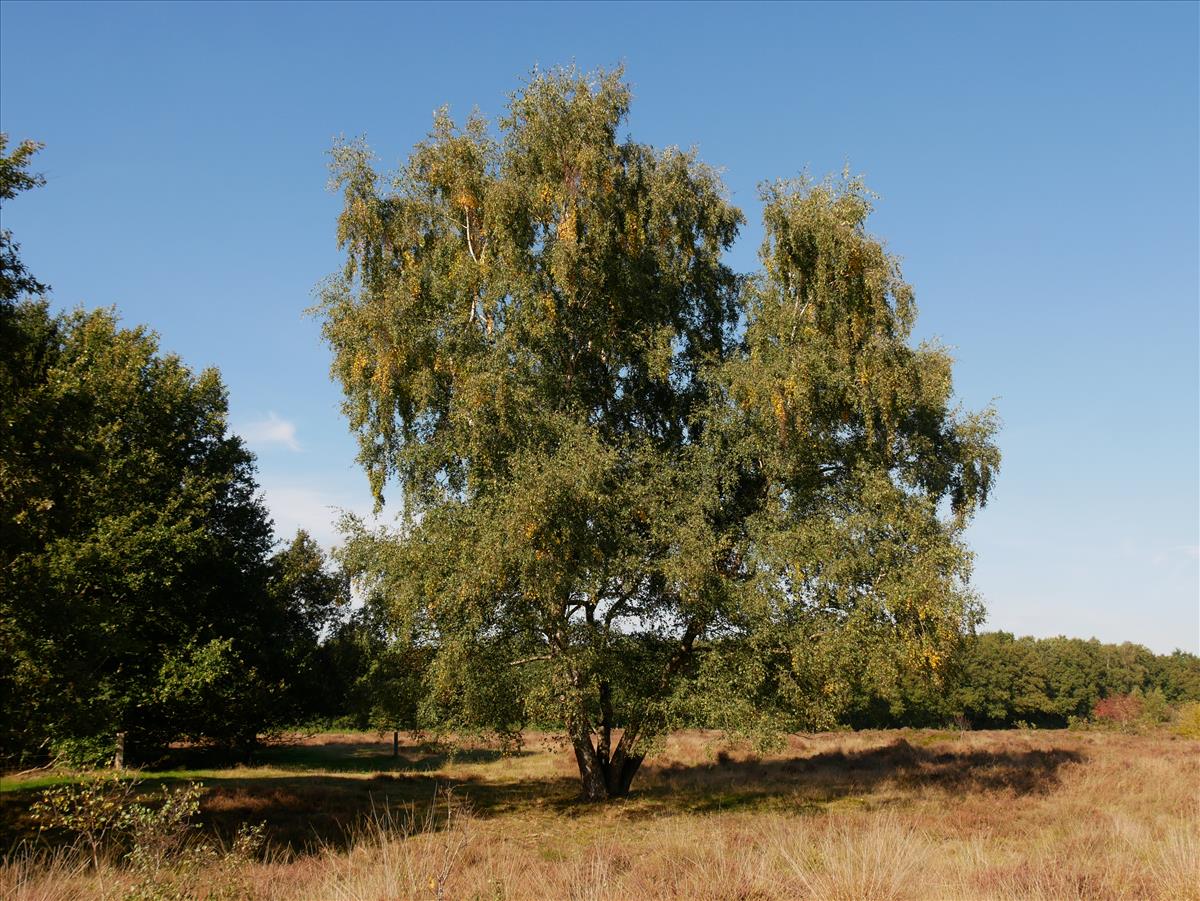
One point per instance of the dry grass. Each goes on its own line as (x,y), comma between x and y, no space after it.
(882,815)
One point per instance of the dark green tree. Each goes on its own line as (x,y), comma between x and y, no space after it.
(138,594)
(308,601)
(1178,675)
(309,593)
(634,481)
(1002,681)
(1074,672)
(374,680)
(134,548)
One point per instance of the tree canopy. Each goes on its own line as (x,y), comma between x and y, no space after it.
(133,537)
(630,476)
(1000,681)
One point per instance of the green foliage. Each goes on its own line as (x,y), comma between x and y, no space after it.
(15,177)
(308,600)
(140,591)
(1178,675)
(84,751)
(211,693)
(132,543)
(999,680)
(160,834)
(304,585)
(171,862)
(140,596)
(159,842)
(1155,709)
(1003,679)
(634,481)
(94,811)
(131,531)
(1187,720)
(369,679)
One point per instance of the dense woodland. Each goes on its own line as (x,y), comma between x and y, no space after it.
(145,593)
(143,589)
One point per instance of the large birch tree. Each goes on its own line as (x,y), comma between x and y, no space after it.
(635,484)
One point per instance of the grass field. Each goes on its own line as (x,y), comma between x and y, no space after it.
(869,815)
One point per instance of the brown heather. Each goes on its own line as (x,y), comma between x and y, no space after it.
(857,816)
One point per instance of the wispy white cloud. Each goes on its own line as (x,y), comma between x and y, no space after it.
(296,505)
(272,430)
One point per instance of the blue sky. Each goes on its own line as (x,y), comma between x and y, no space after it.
(1038,173)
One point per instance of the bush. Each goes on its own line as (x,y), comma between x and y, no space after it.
(93,812)
(1187,720)
(158,842)
(1155,709)
(1124,711)
(215,695)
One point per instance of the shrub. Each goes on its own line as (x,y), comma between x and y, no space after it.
(1155,709)
(93,811)
(159,840)
(84,751)
(1118,710)
(1187,720)
(159,835)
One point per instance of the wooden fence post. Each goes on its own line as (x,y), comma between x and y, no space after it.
(119,757)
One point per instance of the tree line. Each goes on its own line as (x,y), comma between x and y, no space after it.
(996,681)
(145,594)
(999,681)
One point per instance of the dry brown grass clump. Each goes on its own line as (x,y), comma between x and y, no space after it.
(883,815)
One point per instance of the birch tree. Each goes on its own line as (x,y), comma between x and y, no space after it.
(634,483)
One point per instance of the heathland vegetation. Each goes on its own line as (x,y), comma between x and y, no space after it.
(917,815)
(658,517)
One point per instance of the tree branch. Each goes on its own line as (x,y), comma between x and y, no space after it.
(532,659)
(470,247)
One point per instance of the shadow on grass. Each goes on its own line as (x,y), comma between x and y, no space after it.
(343,756)
(315,806)
(304,813)
(813,783)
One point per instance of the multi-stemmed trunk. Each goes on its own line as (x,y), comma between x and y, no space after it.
(601,776)
(605,771)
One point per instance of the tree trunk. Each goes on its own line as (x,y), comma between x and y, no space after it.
(603,779)
(604,771)
(591,771)
(620,776)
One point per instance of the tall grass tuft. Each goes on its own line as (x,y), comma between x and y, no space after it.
(32,875)
(880,860)
(401,852)
(1176,867)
